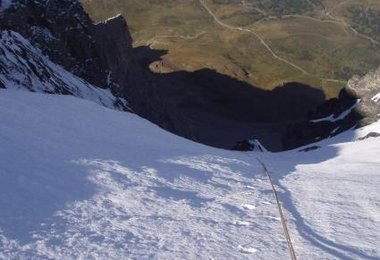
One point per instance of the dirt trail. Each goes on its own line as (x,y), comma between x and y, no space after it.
(266,45)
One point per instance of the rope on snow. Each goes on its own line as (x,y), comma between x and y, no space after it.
(283,220)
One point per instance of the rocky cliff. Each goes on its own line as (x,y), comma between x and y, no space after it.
(64,32)
(367,89)
(24,67)
(357,105)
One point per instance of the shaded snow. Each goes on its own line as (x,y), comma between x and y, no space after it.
(79,180)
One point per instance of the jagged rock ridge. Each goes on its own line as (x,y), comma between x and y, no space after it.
(357,105)
(100,53)
(24,67)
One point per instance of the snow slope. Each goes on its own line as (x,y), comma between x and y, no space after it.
(332,196)
(78,180)
(24,67)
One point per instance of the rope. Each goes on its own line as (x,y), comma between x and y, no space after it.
(283,220)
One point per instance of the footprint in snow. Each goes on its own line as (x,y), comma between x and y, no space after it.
(248,206)
(247,250)
(242,223)
(274,218)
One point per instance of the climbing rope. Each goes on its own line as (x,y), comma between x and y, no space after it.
(283,220)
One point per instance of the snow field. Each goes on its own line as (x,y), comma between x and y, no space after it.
(79,180)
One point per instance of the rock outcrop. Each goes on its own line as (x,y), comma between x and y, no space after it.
(367,89)
(99,53)
(113,38)
(24,67)
(357,105)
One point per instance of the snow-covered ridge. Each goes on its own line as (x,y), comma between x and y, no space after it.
(24,67)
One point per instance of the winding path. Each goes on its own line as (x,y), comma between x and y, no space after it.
(265,44)
(342,22)
(153,40)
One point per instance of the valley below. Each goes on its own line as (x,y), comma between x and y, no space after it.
(264,43)
(226,71)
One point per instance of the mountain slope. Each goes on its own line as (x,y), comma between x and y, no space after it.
(23,66)
(320,43)
(62,30)
(107,184)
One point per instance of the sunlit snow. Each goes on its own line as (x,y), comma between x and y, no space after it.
(79,180)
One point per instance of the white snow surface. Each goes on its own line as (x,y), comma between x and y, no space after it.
(376,98)
(81,181)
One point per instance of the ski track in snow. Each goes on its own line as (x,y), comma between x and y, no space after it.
(78,180)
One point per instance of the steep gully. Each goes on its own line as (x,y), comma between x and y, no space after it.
(205,106)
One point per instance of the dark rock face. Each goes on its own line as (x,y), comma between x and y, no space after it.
(367,89)
(249,145)
(24,67)
(357,105)
(112,36)
(64,32)
(212,108)
(315,128)
(370,135)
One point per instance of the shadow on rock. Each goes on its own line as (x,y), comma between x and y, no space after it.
(215,109)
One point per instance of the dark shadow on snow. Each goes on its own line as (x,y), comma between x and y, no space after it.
(20,219)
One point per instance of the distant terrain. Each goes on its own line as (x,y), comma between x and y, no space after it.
(321,43)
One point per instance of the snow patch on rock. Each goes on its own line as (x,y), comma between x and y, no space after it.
(333,118)
(24,67)
(376,98)
(5,4)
